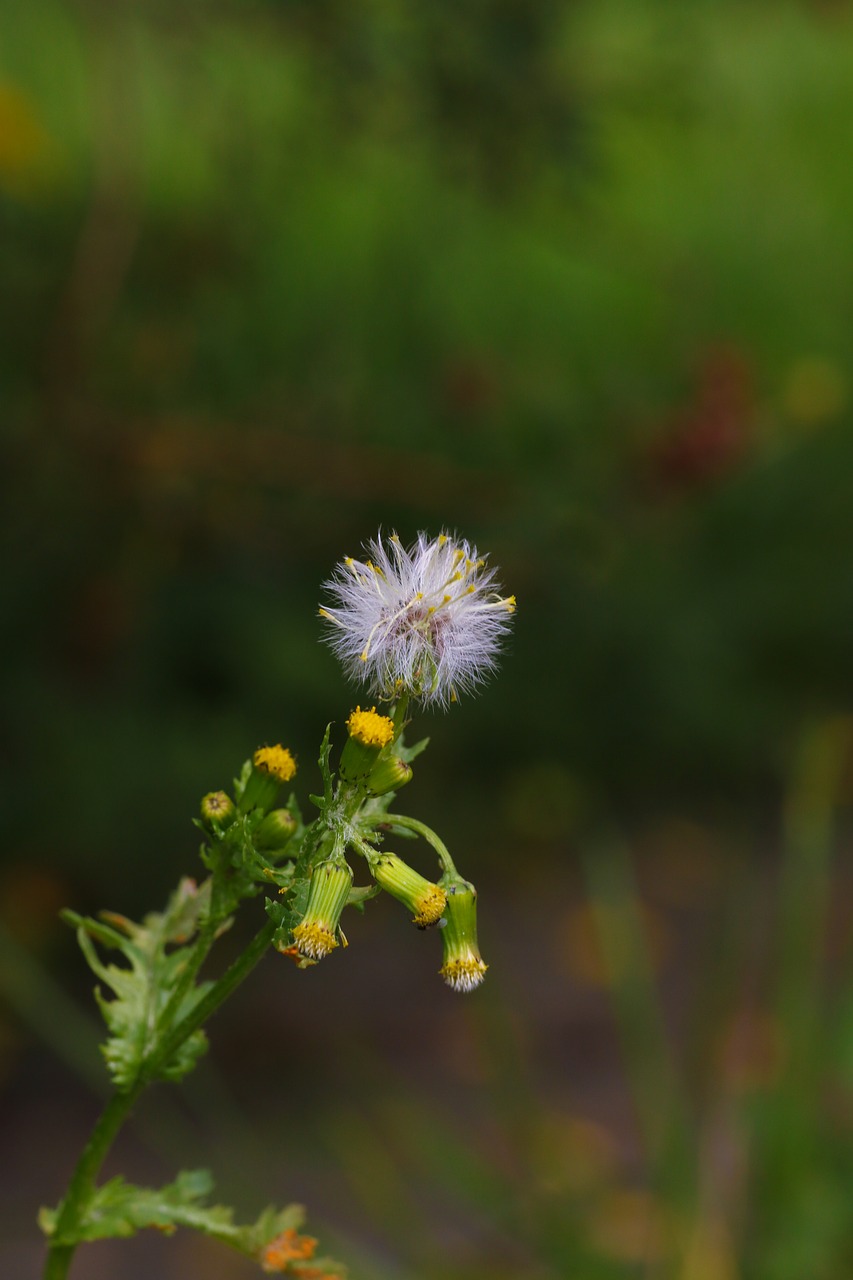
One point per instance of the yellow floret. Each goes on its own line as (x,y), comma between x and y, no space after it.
(370,728)
(314,940)
(464,974)
(276,761)
(430,908)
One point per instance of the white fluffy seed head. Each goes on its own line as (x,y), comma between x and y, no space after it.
(426,620)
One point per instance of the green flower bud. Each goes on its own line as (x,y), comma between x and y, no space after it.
(463,967)
(423,898)
(388,774)
(275,830)
(271,768)
(369,734)
(316,935)
(218,808)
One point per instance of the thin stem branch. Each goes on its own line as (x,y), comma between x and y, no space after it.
(398,714)
(239,970)
(412,824)
(198,954)
(82,1184)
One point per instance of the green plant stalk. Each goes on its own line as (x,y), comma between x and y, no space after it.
(804,896)
(795,1119)
(199,953)
(655,1083)
(82,1181)
(230,980)
(412,824)
(398,714)
(117,1110)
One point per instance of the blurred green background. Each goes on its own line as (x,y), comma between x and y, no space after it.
(575,280)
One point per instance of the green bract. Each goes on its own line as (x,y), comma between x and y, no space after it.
(153,1002)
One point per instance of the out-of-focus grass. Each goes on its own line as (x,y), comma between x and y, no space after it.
(574,279)
(740,1158)
(698,1128)
(255,304)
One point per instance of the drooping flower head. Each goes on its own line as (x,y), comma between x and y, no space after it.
(317,933)
(464,967)
(427,620)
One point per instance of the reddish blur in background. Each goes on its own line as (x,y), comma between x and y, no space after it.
(574,280)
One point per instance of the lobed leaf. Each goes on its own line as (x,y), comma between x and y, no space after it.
(156,953)
(119,1209)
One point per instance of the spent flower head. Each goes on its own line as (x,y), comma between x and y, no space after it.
(464,967)
(287,1247)
(317,934)
(425,620)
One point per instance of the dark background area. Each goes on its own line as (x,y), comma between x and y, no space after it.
(576,281)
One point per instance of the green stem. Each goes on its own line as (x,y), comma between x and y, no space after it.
(368,851)
(804,903)
(220,906)
(398,714)
(198,955)
(239,970)
(654,1079)
(412,824)
(82,1184)
(309,848)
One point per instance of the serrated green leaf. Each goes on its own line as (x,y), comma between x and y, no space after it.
(241,780)
(408,754)
(119,1209)
(325,771)
(359,894)
(156,959)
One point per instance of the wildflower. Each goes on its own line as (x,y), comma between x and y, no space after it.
(276,761)
(370,729)
(388,774)
(289,1246)
(316,935)
(425,620)
(369,735)
(425,900)
(217,807)
(271,767)
(463,967)
(275,830)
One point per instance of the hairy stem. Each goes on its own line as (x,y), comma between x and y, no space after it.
(82,1185)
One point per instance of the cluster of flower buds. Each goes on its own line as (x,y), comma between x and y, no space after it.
(317,933)
(420,623)
(450,904)
(271,768)
(371,767)
(368,760)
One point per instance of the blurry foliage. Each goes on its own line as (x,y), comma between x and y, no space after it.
(571,278)
(723,1154)
(575,279)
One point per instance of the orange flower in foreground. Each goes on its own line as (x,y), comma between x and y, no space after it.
(288,1247)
